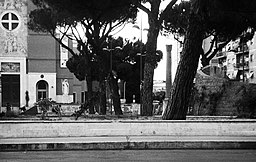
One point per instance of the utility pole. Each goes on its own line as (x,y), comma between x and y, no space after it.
(243,56)
(141,77)
(111,55)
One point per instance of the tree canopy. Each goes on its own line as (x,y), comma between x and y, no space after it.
(223,21)
(89,23)
(95,19)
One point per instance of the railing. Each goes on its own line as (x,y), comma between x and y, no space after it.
(241,49)
(221,54)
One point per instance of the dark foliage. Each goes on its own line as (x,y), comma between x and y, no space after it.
(246,104)
(72,11)
(227,18)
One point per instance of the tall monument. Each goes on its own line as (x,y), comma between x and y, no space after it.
(168,70)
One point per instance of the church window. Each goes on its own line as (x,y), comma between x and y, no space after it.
(10,21)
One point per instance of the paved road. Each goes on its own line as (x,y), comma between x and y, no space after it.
(131,155)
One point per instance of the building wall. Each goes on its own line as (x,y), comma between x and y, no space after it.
(252,60)
(231,64)
(34,78)
(41,62)
(41,53)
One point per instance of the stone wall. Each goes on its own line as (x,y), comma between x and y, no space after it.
(213,84)
(238,93)
(206,93)
(217,96)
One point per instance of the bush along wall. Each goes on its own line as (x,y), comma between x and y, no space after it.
(246,101)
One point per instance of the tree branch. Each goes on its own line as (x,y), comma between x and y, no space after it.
(177,39)
(62,44)
(63,33)
(217,49)
(166,10)
(77,34)
(143,8)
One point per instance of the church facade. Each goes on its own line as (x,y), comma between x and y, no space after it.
(32,64)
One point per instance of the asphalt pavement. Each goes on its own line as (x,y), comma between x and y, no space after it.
(131,155)
(128,143)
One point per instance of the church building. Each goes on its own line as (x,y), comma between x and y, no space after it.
(32,64)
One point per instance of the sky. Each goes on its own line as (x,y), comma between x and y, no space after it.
(130,32)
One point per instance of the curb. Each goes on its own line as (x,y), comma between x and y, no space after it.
(130,145)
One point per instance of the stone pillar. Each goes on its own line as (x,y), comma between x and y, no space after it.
(168,76)
(168,70)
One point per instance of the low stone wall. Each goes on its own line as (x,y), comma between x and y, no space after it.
(69,109)
(207,91)
(30,129)
(217,96)
(212,84)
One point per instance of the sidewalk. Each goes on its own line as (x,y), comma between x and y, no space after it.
(128,142)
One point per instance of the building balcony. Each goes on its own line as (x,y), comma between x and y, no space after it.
(241,50)
(242,66)
(221,54)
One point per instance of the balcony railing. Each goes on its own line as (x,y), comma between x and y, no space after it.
(221,54)
(241,49)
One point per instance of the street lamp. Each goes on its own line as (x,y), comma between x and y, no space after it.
(141,50)
(111,55)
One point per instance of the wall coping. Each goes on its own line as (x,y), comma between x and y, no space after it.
(130,121)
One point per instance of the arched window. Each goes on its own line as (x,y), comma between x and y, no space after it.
(42,90)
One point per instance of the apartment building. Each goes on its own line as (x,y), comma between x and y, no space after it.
(237,61)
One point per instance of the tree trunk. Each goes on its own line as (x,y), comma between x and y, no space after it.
(102,97)
(147,90)
(177,106)
(115,95)
(90,94)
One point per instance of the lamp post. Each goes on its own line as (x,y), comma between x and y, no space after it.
(111,53)
(141,56)
(243,55)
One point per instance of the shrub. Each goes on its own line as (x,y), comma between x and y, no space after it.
(44,105)
(246,104)
(203,101)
